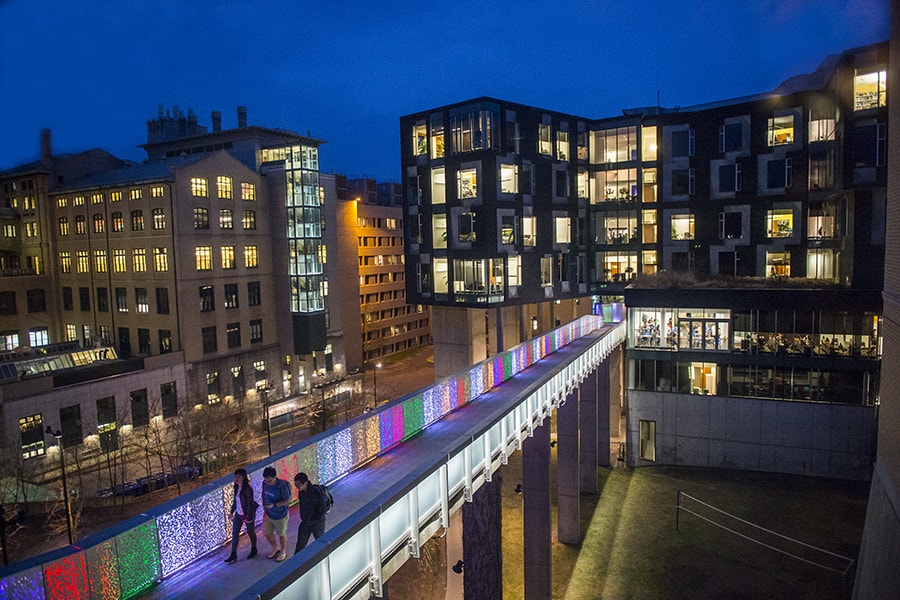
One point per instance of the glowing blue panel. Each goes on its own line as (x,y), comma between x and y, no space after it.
(176,538)
(24,585)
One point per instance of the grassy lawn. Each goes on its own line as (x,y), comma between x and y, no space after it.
(632,549)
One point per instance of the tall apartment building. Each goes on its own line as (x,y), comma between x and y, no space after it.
(367,277)
(746,237)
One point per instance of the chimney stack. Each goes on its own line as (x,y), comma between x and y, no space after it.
(242,116)
(46,149)
(217,120)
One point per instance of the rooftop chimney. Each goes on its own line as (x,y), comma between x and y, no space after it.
(242,116)
(217,120)
(46,149)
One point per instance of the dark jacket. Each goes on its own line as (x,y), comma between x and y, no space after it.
(312,504)
(248,504)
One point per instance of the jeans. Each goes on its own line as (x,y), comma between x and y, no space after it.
(316,528)
(236,522)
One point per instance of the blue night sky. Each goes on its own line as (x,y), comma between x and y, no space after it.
(95,71)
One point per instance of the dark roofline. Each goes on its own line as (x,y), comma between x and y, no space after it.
(247,131)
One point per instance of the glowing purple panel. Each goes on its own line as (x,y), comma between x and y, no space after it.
(476,382)
(66,578)
(103,570)
(138,558)
(397,424)
(386,429)
(24,585)
(432,404)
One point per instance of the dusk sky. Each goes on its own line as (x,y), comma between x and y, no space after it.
(94,72)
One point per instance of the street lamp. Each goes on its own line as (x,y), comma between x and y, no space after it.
(375,382)
(62,466)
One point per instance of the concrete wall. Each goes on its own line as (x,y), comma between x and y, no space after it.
(803,438)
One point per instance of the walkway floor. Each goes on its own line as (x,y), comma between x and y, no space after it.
(210,577)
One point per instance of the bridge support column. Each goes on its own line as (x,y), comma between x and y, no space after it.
(483,542)
(536,514)
(589,458)
(603,412)
(568,515)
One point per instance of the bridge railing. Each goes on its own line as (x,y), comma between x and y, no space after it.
(123,561)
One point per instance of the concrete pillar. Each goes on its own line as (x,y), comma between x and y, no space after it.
(589,457)
(483,542)
(568,514)
(536,513)
(603,416)
(459,339)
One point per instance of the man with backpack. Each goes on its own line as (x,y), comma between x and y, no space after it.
(314,505)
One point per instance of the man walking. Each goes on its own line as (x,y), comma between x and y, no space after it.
(312,510)
(276,497)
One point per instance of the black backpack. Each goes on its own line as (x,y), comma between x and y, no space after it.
(327,498)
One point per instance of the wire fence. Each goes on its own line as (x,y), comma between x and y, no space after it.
(821,556)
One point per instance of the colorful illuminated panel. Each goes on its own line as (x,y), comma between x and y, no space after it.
(305,459)
(138,558)
(413,416)
(398,428)
(66,578)
(431,399)
(103,569)
(24,585)
(176,538)
(386,429)
(335,455)
(210,529)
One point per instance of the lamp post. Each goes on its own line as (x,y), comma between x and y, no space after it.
(265,392)
(62,466)
(375,381)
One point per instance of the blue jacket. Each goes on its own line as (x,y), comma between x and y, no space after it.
(271,494)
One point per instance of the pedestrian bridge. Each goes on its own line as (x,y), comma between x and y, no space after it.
(397,474)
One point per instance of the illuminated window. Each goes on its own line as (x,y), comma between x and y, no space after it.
(101,261)
(157,191)
(63,226)
(617,185)
(80,227)
(248,191)
(161,260)
(562,230)
(821,169)
(62,202)
(30,229)
(419,139)
(618,144)
(437,136)
(507,229)
(97,198)
(159,219)
(228,257)
(38,336)
(120,264)
(648,143)
(251,257)
(529,231)
(226,218)
(467,183)
(683,227)
(118,222)
(223,185)
(822,263)
(201,218)
(115,196)
(649,261)
(137,220)
(248,221)
(203,258)
(136,194)
(78,201)
(83,261)
(65,261)
(207,298)
(139,260)
(438,186)
(514,270)
(780,223)
(99,224)
(509,177)
(121,300)
(869,89)
(31,430)
(231,295)
(10,231)
(821,130)
(546,271)
(199,187)
(781,130)
(562,144)
(545,144)
(778,264)
(142,305)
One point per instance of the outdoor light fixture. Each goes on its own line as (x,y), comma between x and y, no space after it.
(62,467)
(534,323)
(458,567)
(375,382)
(518,489)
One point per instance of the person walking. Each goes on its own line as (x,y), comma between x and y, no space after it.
(276,497)
(243,511)
(312,510)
